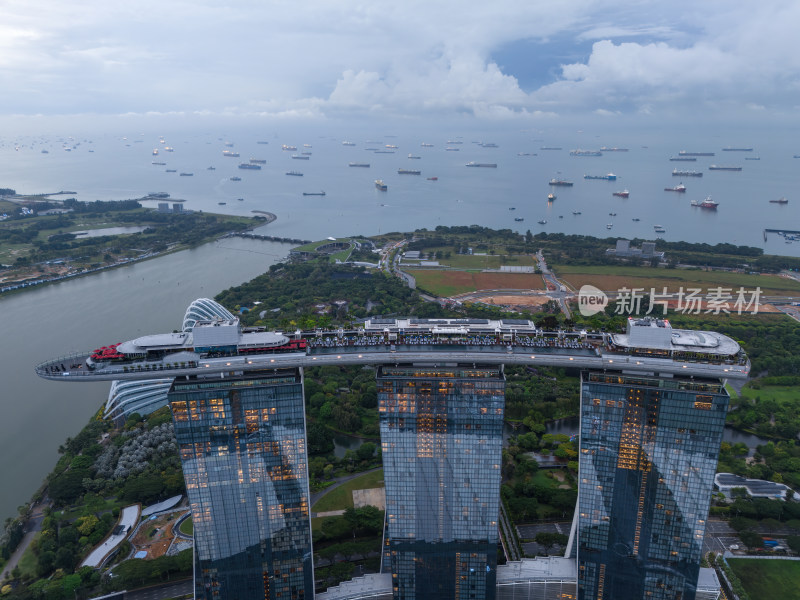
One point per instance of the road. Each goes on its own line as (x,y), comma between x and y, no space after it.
(559,292)
(163,591)
(719,537)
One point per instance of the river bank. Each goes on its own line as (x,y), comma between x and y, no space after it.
(176,247)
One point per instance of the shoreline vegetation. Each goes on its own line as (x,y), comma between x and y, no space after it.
(96,475)
(44,241)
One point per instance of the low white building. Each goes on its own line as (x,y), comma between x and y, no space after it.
(756,488)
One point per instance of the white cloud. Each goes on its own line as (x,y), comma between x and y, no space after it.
(318,57)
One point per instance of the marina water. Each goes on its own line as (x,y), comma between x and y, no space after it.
(120,166)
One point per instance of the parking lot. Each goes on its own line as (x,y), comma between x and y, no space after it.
(528,532)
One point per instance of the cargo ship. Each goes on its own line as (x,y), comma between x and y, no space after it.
(353,164)
(551,196)
(294,173)
(677,173)
(413,156)
(426,145)
(380,185)
(186,174)
(472,163)
(708,203)
(299,157)
(685,153)
(235,178)
(608,177)
(408,172)
(561,182)
(433,179)
(580,152)
(346,143)
(287,148)
(683,159)
(230,153)
(258,161)
(313,193)
(780,200)
(734,149)
(614,149)
(550,148)
(723,168)
(622,194)
(250,166)
(678,188)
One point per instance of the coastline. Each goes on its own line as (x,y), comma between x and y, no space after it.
(20,287)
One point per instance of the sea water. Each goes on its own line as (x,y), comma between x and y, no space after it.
(119,166)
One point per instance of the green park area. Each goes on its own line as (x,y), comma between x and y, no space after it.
(341,497)
(477,262)
(336,249)
(46,245)
(767,579)
(187,527)
(450,283)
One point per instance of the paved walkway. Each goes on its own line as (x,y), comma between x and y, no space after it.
(127,519)
(32,527)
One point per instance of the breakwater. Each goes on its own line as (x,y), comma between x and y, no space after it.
(268,238)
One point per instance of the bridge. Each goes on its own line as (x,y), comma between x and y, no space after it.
(649,346)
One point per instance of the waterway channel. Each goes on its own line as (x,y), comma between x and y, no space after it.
(84,313)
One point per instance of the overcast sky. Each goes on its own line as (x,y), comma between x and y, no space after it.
(504,59)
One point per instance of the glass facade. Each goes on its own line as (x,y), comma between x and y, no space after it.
(441,437)
(242,446)
(649,450)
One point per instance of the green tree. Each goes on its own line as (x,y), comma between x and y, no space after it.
(366,451)
(751,539)
(548,540)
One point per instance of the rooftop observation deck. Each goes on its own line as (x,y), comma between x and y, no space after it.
(648,346)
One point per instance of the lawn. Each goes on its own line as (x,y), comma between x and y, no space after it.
(341,497)
(187,527)
(450,283)
(486,261)
(612,278)
(767,579)
(779,393)
(27,564)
